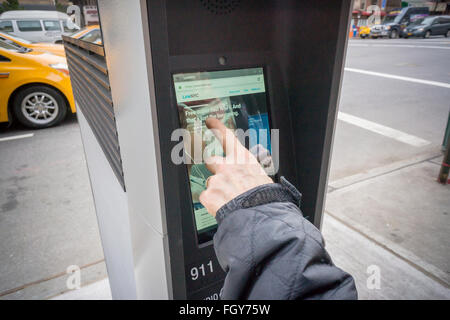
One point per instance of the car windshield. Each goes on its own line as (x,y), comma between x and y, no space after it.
(428,21)
(93,36)
(15,45)
(17,39)
(400,16)
(389,19)
(8,46)
(416,23)
(78,32)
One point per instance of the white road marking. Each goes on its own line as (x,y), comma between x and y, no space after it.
(383,130)
(392,76)
(20,136)
(411,42)
(409,39)
(398,46)
(431,39)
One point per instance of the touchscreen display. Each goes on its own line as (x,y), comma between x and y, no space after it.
(238,99)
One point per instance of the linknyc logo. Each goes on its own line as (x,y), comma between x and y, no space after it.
(190,96)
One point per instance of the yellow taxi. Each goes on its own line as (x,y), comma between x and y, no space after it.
(90,34)
(35,87)
(364,32)
(57,49)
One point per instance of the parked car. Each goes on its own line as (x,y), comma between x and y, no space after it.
(364,32)
(37,26)
(395,21)
(57,49)
(90,33)
(35,87)
(84,31)
(431,26)
(378,31)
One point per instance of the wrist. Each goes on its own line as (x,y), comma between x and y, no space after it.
(263,194)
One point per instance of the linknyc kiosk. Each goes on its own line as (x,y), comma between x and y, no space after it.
(161,62)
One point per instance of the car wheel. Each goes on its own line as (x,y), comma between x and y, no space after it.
(394,34)
(39,107)
(427,34)
(447,35)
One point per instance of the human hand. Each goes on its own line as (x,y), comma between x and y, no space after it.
(264,158)
(234,174)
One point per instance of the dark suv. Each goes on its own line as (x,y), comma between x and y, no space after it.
(394,24)
(430,26)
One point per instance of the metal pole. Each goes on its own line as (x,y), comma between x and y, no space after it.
(443,174)
(447,133)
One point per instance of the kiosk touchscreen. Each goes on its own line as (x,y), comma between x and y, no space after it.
(236,97)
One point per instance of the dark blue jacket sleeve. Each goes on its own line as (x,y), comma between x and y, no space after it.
(269,251)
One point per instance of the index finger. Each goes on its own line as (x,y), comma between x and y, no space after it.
(226,137)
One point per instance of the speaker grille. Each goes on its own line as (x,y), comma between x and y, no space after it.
(221,7)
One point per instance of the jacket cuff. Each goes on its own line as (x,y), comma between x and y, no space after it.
(267,193)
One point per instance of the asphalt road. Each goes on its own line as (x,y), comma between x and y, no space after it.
(47,218)
(416,109)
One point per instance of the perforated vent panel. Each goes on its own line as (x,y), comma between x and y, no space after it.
(90,84)
(220,6)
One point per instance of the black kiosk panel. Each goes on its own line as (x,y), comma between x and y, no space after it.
(296,48)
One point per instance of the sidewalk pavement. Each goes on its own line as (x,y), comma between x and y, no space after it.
(99,290)
(394,220)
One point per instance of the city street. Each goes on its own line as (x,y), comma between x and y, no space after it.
(384,207)
(417,109)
